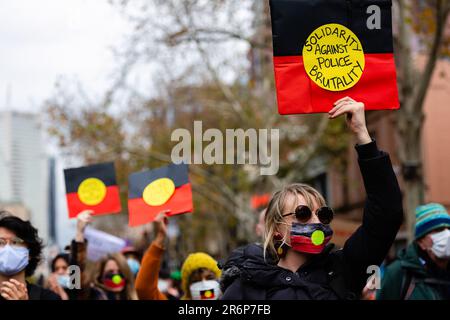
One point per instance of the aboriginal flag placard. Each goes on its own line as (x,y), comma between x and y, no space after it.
(153,191)
(325,50)
(92,188)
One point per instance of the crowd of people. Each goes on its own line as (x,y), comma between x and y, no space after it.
(293,261)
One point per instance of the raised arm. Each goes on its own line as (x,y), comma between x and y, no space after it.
(78,252)
(147,277)
(383,211)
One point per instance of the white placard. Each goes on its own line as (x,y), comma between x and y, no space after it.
(101,243)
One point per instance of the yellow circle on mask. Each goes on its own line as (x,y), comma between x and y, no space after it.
(92,191)
(158,192)
(317,237)
(116,279)
(333,57)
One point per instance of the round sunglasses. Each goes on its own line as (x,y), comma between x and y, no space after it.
(304,213)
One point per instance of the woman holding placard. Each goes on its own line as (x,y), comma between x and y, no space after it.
(296,262)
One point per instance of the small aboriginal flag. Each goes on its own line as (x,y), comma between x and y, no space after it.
(92,188)
(325,50)
(153,191)
(207,294)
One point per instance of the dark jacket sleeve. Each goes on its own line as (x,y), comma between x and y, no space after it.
(78,256)
(383,214)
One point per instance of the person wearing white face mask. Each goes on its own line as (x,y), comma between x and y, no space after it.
(422,271)
(20,252)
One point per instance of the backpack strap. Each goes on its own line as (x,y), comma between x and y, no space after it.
(407,285)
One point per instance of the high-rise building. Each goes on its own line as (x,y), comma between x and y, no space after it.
(24,167)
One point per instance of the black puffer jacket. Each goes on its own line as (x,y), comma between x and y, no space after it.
(333,274)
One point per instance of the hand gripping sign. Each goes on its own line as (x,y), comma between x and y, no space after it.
(325,50)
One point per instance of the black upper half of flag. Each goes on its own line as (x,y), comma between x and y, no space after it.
(138,181)
(102,171)
(294,20)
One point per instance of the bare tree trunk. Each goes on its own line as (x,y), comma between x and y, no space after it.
(411,117)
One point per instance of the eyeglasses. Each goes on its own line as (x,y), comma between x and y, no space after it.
(15,242)
(304,213)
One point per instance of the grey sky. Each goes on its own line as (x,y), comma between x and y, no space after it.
(41,40)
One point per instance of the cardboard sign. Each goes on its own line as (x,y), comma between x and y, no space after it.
(92,188)
(101,244)
(153,191)
(325,50)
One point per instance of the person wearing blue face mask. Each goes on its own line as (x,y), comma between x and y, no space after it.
(133,259)
(20,252)
(59,280)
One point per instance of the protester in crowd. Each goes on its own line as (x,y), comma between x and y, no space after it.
(112,279)
(296,261)
(174,291)
(59,279)
(199,273)
(133,259)
(165,285)
(20,254)
(422,270)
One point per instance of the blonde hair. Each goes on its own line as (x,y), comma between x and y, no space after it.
(121,261)
(276,207)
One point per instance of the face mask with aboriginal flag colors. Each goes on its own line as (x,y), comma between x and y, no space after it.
(205,290)
(114,281)
(310,238)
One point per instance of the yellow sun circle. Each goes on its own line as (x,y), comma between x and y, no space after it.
(333,57)
(317,237)
(92,191)
(208,294)
(158,192)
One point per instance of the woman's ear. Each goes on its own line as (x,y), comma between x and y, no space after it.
(277,236)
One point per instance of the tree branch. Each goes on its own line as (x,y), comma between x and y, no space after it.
(442,12)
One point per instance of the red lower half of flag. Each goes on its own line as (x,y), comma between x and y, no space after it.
(297,93)
(141,213)
(109,205)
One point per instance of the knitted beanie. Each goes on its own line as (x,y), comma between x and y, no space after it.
(196,261)
(430,217)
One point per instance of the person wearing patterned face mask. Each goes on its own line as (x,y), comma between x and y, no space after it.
(297,260)
(20,251)
(422,270)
